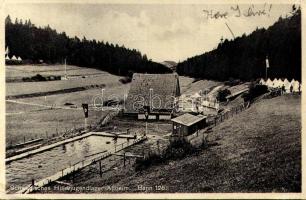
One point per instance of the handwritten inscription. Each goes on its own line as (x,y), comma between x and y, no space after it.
(237,11)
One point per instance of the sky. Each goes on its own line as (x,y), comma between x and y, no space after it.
(162,32)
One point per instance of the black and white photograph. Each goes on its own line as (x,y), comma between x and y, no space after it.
(147,97)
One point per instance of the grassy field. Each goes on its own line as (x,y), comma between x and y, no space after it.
(20,71)
(41,124)
(77,98)
(189,86)
(34,121)
(18,88)
(259,150)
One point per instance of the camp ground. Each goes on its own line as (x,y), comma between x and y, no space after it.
(145,99)
(289,86)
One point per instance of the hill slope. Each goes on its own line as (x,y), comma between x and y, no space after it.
(258,151)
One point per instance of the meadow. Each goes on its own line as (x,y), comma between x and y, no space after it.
(19,88)
(30,118)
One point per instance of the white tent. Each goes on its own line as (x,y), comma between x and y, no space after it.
(287,85)
(296,86)
(14,58)
(292,81)
(262,82)
(19,59)
(7,58)
(275,83)
(269,83)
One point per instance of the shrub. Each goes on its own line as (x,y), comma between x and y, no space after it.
(222,94)
(144,163)
(255,91)
(125,80)
(26,79)
(177,149)
(38,77)
(232,82)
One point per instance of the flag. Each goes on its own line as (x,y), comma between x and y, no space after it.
(85,109)
(6,51)
(267,62)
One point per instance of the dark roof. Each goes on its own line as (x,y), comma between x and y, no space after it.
(164,87)
(188,119)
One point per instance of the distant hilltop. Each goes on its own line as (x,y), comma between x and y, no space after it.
(170,64)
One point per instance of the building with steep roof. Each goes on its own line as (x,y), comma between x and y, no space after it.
(154,93)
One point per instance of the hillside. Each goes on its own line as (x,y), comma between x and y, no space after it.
(244,57)
(170,64)
(259,150)
(35,44)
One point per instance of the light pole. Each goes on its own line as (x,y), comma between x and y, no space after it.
(147,116)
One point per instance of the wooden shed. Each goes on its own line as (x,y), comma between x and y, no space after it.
(187,124)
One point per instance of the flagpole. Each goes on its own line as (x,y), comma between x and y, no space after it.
(267,66)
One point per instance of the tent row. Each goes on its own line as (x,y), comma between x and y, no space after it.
(292,86)
(14,58)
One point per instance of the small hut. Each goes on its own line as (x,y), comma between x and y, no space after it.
(187,124)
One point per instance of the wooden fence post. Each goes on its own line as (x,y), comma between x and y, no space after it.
(100,167)
(124,159)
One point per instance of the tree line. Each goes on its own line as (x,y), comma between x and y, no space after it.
(244,57)
(34,44)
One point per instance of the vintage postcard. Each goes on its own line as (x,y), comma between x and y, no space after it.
(152,99)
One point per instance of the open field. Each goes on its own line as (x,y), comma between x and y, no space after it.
(32,117)
(77,98)
(20,71)
(45,123)
(200,85)
(18,88)
(259,150)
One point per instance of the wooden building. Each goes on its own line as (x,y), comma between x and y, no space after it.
(152,93)
(187,124)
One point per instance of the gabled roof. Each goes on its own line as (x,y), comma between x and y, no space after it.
(157,90)
(188,119)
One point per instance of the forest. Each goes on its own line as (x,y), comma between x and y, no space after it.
(245,57)
(34,44)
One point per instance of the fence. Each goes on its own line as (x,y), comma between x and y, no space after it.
(215,120)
